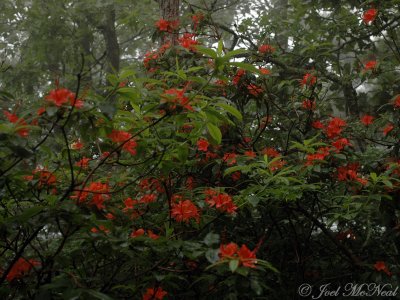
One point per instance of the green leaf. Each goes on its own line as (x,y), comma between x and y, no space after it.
(211,239)
(214,132)
(235,52)
(27,214)
(97,295)
(220,47)
(244,66)
(233,265)
(232,110)
(207,51)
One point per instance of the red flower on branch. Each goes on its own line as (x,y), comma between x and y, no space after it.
(254,90)
(370,15)
(370,65)
(335,127)
(60,96)
(388,128)
(381,266)
(367,120)
(13,118)
(266,49)
(165,25)
(21,268)
(222,201)
(185,210)
(228,251)
(176,97)
(188,42)
(246,257)
(154,294)
(308,80)
(309,104)
(202,145)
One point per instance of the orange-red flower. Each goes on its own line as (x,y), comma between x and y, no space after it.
(266,49)
(335,127)
(246,257)
(154,294)
(317,124)
(13,118)
(308,80)
(185,210)
(78,145)
(239,74)
(228,251)
(319,155)
(250,154)
(152,235)
(309,104)
(83,163)
(187,41)
(270,152)
(396,102)
(176,97)
(230,158)
(21,268)
(254,90)
(60,96)
(388,128)
(370,15)
(264,71)
(137,233)
(165,25)
(370,65)
(221,201)
(202,145)
(381,266)
(349,173)
(119,136)
(367,120)
(339,144)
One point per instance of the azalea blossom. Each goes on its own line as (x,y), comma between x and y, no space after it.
(246,257)
(266,49)
(21,268)
(308,80)
(396,102)
(154,294)
(221,201)
(381,266)
(367,120)
(388,128)
(370,65)
(369,16)
(202,145)
(185,210)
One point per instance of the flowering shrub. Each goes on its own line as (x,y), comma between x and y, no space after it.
(201,150)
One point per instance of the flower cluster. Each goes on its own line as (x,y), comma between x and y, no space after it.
(176,97)
(61,96)
(369,16)
(185,210)
(167,26)
(99,191)
(231,251)
(21,268)
(221,201)
(120,136)
(13,118)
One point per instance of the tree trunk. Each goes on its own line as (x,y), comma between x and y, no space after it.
(111,41)
(169,10)
(281,13)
